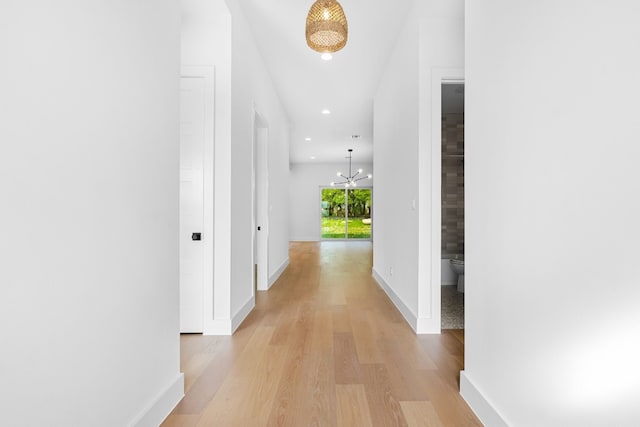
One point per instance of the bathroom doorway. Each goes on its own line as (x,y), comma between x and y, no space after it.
(452,205)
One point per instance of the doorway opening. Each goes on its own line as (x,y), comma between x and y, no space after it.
(452,205)
(346,213)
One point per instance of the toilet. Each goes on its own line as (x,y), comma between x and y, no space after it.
(457,265)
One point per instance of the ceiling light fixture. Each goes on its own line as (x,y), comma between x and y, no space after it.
(307,139)
(350,180)
(326,112)
(326,29)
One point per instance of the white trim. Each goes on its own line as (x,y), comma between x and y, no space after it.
(406,312)
(484,410)
(305,239)
(229,326)
(429,325)
(217,327)
(275,276)
(242,314)
(157,410)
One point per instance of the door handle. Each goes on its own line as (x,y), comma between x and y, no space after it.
(196,236)
(259,228)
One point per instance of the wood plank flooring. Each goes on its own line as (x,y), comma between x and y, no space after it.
(324,347)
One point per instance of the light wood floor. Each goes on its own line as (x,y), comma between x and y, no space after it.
(323,347)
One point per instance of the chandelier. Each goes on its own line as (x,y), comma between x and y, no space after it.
(350,180)
(326,28)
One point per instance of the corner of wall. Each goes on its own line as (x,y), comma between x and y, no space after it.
(406,312)
(276,275)
(242,314)
(227,327)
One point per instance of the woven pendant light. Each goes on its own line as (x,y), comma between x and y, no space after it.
(326,29)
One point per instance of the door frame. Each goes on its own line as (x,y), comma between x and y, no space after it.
(439,76)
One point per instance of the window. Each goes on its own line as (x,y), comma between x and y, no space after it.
(346,213)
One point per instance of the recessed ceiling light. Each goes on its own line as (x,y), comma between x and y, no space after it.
(312,157)
(307,139)
(326,112)
(326,56)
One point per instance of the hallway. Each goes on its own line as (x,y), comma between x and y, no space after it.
(323,347)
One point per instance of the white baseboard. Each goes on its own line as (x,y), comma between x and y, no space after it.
(242,314)
(229,326)
(406,312)
(420,325)
(275,276)
(217,327)
(428,325)
(479,404)
(154,414)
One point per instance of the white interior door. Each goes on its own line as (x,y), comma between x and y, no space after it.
(192,136)
(262,209)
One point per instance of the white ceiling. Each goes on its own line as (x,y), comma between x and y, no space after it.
(345,85)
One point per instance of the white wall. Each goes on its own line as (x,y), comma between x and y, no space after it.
(89,219)
(253,90)
(279,214)
(552,204)
(216,34)
(433,38)
(395,159)
(304,189)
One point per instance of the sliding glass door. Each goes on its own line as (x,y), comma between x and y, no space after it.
(346,213)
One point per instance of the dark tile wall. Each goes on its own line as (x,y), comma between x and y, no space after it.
(453,184)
